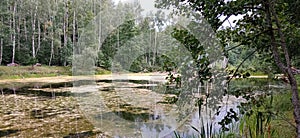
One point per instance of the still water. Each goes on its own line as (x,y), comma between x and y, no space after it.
(137,106)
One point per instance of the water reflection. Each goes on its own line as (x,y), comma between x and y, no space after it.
(132,108)
(146,108)
(41,110)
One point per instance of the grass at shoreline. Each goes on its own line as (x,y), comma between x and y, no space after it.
(21,72)
(282,119)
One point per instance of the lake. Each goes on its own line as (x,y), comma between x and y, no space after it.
(136,105)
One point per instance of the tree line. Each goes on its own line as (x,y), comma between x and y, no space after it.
(34,31)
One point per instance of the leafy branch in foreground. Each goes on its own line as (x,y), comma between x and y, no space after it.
(256,16)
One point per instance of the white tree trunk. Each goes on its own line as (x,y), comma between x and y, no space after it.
(25,29)
(19,33)
(39,39)
(74,24)
(65,28)
(52,36)
(149,50)
(52,43)
(1,45)
(33,33)
(14,34)
(155,46)
(52,48)
(1,50)
(99,29)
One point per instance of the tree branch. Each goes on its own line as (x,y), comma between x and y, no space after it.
(231,48)
(221,23)
(253,8)
(240,65)
(250,38)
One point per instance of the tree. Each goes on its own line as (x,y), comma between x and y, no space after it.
(49,30)
(118,26)
(33,22)
(1,50)
(65,29)
(265,25)
(13,28)
(1,40)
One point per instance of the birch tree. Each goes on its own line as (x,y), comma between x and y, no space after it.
(33,22)
(13,29)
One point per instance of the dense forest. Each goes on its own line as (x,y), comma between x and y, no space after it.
(33,31)
(46,32)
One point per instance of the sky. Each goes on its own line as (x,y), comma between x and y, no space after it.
(148,5)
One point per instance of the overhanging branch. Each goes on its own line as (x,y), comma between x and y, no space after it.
(235,72)
(248,39)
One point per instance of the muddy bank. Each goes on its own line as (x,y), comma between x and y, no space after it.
(58,79)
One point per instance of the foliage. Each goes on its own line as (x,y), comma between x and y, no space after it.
(53,28)
(272,117)
(255,64)
(264,27)
(52,31)
(197,51)
(116,40)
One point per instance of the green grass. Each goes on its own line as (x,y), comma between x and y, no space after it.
(100,71)
(281,123)
(37,72)
(257,73)
(298,80)
(29,72)
(277,126)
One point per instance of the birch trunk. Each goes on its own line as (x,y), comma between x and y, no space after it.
(25,29)
(19,33)
(1,45)
(1,50)
(74,24)
(149,49)
(65,27)
(33,33)
(52,48)
(52,43)
(155,45)
(99,29)
(13,34)
(39,38)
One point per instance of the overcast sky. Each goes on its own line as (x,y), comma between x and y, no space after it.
(148,5)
